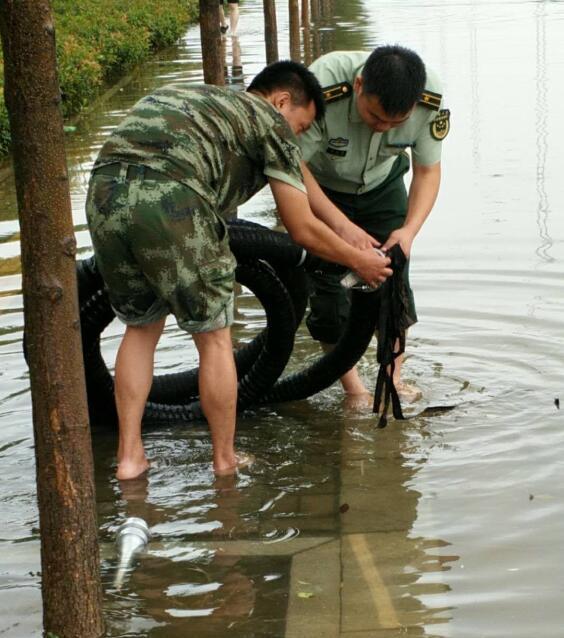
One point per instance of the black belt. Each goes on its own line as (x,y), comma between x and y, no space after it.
(133,171)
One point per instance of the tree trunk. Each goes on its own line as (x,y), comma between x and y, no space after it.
(294,11)
(315,11)
(210,37)
(306,32)
(270,31)
(65,486)
(315,16)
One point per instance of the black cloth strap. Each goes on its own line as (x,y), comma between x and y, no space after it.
(392,324)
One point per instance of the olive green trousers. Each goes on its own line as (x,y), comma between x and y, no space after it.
(378,212)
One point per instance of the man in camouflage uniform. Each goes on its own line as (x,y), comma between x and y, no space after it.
(162,182)
(379,107)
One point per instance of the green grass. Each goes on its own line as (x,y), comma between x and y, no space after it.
(99,40)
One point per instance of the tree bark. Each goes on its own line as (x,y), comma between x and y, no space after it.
(210,37)
(270,31)
(65,485)
(327,8)
(306,32)
(315,16)
(294,12)
(315,10)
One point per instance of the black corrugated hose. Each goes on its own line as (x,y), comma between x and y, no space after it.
(273,267)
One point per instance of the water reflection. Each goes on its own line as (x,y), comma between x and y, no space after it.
(336,25)
(475,79)
(183,585)
(327,513)
(392,579)
(543,207)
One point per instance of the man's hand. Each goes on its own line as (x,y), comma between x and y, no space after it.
(402,236)
(319,239)
(355,236)
(373,268)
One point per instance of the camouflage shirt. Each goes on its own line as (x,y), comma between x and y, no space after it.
(221,143)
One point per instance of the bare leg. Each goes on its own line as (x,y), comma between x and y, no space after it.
(354,386)
(351,381)
(133,379)
(218,394)
(222,20)
(398,363)
(233,17)
(408,392)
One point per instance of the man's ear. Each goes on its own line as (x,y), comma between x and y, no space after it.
(357,85)
(283,98)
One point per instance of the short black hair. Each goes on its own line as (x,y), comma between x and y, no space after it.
(295,78)
(396,76)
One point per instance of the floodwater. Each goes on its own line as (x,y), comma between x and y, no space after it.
(446,526)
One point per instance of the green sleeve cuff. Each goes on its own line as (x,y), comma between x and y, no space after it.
(287,179)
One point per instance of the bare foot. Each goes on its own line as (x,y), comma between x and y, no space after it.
(242,460)
(408,392)
(359,401)
(128,470)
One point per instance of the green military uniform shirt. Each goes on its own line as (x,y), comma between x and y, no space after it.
(220,143)
(343,153)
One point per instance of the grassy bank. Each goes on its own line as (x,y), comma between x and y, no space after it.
(98,40)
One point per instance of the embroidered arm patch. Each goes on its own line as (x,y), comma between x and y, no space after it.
(440,126)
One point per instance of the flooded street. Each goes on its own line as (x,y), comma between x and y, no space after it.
(447,525)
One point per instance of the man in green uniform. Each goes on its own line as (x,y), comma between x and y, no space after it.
(162,182)
(380,107)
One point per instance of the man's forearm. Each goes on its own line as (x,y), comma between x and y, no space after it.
(325,211)
(321,206)
(316,236)
(422,195)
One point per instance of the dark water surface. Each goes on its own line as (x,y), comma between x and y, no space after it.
(449,525)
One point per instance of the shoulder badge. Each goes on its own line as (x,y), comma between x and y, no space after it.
(337,92)
(440,126)
(430,100)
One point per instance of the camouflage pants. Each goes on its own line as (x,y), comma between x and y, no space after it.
(160,248)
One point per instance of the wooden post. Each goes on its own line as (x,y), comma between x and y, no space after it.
(315,15)
(315,11)
(306,32)
(210,37)
(305,13)
(65,486)
(270,31)
(327,36)
(294,13)
(223,57)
